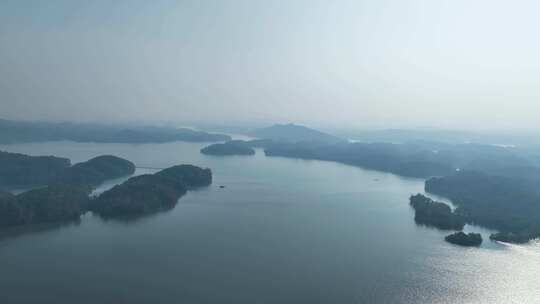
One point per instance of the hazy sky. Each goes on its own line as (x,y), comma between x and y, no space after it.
(401,63)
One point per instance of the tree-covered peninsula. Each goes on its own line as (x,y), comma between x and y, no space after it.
(50,204)
(435,214)
(491,186)
(509,205)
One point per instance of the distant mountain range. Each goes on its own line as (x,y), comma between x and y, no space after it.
(294,133)
(22,131)
(501,137)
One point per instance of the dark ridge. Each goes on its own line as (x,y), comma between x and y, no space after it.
(414,159)
(398,159)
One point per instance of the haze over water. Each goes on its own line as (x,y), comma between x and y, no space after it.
(282,231)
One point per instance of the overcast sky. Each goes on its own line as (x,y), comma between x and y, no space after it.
(376,64)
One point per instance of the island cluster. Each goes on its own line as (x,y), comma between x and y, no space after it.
(61,192)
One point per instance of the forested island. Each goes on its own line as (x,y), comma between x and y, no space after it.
(64,192)
(464,239)
(138,196)
(23,170)
(150,192)
(439,215)
(234,147)
(96,170)
(19,169)
(55,203)
(22,131)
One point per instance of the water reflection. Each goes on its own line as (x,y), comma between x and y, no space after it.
(17,231)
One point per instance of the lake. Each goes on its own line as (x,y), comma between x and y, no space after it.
(281,231)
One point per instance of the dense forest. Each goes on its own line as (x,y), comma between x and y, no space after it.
(23,170)
(415,159)
(508,204)
(233,147)
(19,169)
(65,195)
(53,203)
(435,214)
(150,192)
(492,186)
(464,239)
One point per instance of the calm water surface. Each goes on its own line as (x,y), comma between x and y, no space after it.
(282,231)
